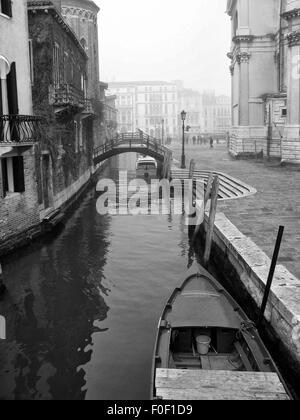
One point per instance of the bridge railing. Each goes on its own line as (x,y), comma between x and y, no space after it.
(131,140)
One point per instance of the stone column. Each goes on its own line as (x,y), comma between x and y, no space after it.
(243,61)
(291,142)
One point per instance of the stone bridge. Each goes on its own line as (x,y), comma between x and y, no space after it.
(138,142)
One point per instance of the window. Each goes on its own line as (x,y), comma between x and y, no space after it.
(9,94)
(66,67)
(13,180)
(284,112)
(1,104)
(12,90)
(84,44)
(56,69)
(6,7)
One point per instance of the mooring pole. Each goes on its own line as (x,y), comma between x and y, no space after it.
(201,214)
(211,221)
(271,276)
(192,169)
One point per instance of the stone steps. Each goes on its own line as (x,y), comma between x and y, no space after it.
(230,187)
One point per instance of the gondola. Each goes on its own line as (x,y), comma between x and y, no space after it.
(207,348)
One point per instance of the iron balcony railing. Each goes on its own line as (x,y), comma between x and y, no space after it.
(20,129)
(132,140)
(65,94)
(88,107)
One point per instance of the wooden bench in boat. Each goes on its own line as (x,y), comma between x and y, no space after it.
(176,384)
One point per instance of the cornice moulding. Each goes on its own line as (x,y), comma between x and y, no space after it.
(291,14)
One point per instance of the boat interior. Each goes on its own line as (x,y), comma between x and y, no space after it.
(211,349)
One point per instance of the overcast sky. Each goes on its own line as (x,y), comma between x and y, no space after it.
(165,40)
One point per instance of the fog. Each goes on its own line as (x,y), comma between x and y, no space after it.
(165,40)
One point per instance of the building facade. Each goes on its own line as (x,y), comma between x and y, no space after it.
(51,112)
(223,114)
(82,17)
(59,88)
(19,128)
(192,102)
(265,78)
(147,105)
(111,116)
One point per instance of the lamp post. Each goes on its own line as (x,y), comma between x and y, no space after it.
(183,117)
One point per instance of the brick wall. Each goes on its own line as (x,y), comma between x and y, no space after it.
(19,212)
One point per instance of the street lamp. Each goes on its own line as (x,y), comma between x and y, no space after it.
(183,117)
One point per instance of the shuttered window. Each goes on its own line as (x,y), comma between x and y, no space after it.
(1,113)
(18,167)
(13,180)
(1,105)
(6,7)
(12,90)
(4,176)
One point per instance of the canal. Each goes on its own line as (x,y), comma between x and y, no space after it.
(84,303)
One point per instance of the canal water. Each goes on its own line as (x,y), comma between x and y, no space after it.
(83,305)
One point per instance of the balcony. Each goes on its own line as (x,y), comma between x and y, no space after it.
(19,130)
(65,97)
(88,108)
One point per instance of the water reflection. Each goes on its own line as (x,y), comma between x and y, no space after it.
(83,306)
(51,310)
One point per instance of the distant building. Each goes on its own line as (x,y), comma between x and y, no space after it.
(265,78)
(192,102)
(151,106)
(216,113)
(19,129)
(111,115)
(223,114)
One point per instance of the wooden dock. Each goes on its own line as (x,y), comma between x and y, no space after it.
(175,384)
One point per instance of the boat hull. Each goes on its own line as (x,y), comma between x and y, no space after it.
(202,328)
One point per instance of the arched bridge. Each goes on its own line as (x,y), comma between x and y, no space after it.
(139,142)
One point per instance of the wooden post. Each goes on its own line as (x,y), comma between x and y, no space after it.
(271,276)
(192,169)
(2,286)
(212,218)
(201,215)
